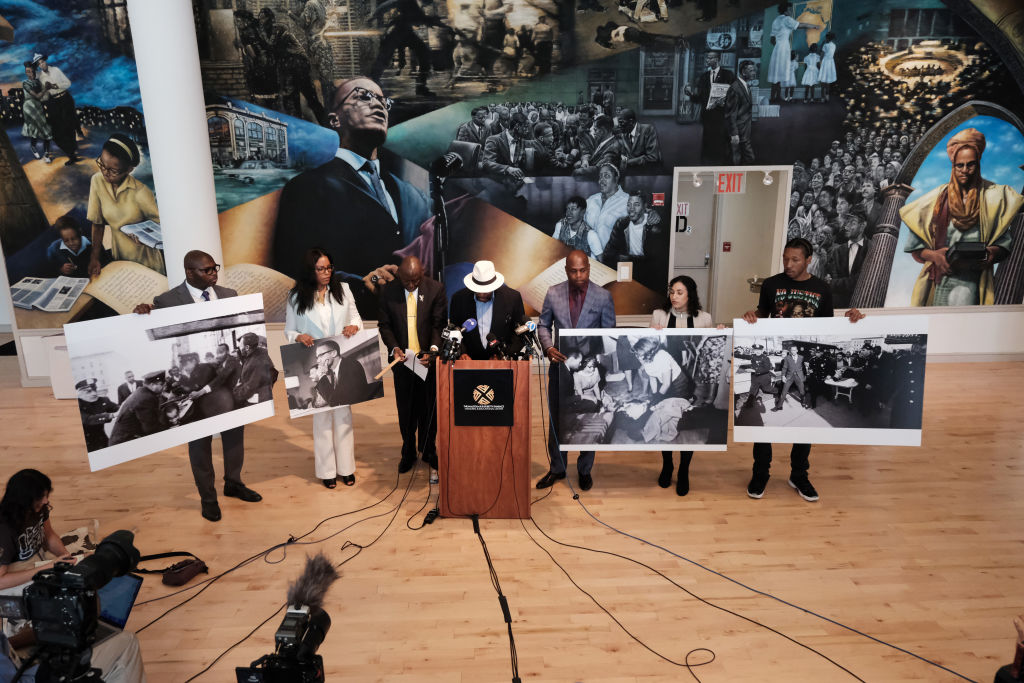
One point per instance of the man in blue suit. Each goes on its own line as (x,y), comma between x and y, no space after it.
(351,206)
(577,303)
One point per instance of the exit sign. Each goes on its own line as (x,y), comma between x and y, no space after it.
(730,182)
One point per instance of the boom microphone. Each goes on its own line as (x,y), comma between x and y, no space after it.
(446,164)
(311,586)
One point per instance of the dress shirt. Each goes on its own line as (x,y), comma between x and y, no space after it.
(324,314)
(484,314)
(576,298)
(55,76)
(635,237)
(855,248)
(197,294)
(513,146)
(356,162)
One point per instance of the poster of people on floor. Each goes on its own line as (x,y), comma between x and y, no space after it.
(827,380)
(72,124)
(146,383)
(334,371)
(644,389)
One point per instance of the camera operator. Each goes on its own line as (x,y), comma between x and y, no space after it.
(25,535)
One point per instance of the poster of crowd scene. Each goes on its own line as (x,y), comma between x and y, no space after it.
(827,380)
(146,383)
(73,125)
(644,389)
(334,371)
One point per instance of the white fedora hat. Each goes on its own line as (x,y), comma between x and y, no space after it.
(484,278)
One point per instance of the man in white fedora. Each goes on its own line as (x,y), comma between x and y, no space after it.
(497,308)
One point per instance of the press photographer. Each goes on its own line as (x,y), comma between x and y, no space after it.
(59,600)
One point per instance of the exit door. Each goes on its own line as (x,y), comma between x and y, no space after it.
(693,232)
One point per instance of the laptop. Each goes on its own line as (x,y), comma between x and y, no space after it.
(116,601)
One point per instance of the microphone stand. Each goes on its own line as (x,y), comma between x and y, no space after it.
(441,234)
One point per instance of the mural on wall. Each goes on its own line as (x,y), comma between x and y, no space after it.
(580,153)
(78,187)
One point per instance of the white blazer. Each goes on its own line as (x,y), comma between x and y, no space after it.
(659,318)
(342,315)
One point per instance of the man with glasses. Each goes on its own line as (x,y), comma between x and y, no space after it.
(201,285)
(350,206)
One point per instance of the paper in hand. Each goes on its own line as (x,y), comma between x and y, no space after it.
(413,363)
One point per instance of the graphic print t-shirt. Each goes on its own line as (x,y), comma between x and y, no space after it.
(784,297)
(20,547)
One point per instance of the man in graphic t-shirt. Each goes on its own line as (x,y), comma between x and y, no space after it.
(792,293)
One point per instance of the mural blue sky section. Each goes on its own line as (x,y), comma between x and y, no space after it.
(70,34)
(1004,151)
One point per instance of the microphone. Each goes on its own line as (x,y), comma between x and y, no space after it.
(453,340)
(496,346)
(446,164)
(527,332)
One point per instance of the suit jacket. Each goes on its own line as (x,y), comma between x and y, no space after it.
(738,108)
(342,315)
(257,377)
(331,207)
(139,416)
(219,399)
(617,248)
(508,314)
(497,157)
(180,296)
(124,391)
(598,311)
(468,132)
(430,315)
(704,89)
(348,375)
(793,368)
(608,151)
(844,279)
(643,152)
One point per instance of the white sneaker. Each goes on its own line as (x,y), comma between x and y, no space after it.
(36,154)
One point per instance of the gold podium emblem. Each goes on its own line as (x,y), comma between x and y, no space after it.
(483,395)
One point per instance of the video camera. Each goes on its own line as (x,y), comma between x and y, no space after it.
(300,634)
(63,606)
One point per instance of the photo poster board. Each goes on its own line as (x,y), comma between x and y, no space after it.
(862,383)
(644,389)
(147,422)
(311,390)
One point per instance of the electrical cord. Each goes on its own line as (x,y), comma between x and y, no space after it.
(502,600)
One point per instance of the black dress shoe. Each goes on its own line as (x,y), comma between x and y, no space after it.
(776,409)
(242,493)
(348,479)
(586,482)
(330,483)
(211,511)
(405,464)
(549,479)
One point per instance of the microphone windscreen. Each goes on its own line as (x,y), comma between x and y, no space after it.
(311,587)
(469,325)
(531,326)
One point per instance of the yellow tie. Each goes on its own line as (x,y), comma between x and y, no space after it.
(410,317)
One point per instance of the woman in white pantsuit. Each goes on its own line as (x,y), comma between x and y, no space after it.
(319,306)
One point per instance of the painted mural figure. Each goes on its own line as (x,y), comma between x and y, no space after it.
(313,21)
(960,230)
(60,110)
(782,30)
(400,34)
(35,127)
(293,67)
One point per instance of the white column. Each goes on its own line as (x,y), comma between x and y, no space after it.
(167,56)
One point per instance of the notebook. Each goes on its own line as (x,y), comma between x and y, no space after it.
(116,601)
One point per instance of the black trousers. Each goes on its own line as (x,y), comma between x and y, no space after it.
(798,459)
(200,455)
(416,400)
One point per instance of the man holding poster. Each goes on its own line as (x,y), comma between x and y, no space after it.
(794,289)
(201,285)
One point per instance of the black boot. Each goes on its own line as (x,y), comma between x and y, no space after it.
(683,482)
(665,478)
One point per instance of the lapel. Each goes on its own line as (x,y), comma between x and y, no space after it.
(601,146)
(182,294)
(350,177)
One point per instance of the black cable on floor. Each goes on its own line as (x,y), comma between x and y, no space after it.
(502,600)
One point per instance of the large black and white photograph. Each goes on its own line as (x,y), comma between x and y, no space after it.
(334,371)
(830,381)
(644,389)
(146,383)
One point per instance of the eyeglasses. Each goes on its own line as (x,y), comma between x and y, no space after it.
(215,268)
(112,171)
(366,96)
(323,269)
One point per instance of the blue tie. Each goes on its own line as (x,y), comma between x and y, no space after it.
(375,185)
(206,295)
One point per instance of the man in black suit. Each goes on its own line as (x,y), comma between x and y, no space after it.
(140,414)
(348,206)
(257,376)
(712,110)
(739,105)
(411,318)
(126,389)
(475,130)
(607,150)
(341,379)
(503,153)
(496,307)
(206,386)
(792,373)
(201,285)
(641,150)
(846,259)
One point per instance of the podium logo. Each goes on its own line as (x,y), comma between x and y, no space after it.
(483,395)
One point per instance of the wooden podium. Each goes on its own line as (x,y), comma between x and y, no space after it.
(484,470)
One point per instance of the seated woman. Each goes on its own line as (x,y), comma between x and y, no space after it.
(25,530)
(586,381)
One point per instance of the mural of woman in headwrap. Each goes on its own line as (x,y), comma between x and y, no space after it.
(968,209)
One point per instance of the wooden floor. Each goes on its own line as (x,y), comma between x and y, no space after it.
(919,547)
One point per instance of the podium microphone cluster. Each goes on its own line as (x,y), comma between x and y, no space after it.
(496,347)
(528,333)
(451,340)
